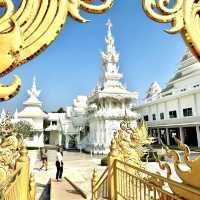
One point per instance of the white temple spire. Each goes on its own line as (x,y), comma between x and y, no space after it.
(15,115)
(3,114)
(110,56)
(32,106)
(33,92)
(109,25)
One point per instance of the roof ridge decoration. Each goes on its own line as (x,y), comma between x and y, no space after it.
(110,54)
(33,92)
(184,18)
(27,31)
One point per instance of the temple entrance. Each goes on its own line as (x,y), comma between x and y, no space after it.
(72,144)
(174,132)
(154,134)
(163,136)
(46,137)
(190,136)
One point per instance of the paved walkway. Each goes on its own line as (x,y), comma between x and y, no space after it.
(64,190)
(78,168)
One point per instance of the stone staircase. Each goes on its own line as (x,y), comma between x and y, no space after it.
(64,190)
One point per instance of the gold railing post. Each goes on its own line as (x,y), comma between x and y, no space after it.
(23,162)
(112,156)
(32,187)
(94,181)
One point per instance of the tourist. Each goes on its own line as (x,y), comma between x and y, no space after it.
(44,159)
(59,164)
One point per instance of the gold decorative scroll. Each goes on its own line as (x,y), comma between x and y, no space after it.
(184,16)
(188,177)
(25,32)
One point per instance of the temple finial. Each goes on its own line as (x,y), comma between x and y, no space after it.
(109,25)
(34,91)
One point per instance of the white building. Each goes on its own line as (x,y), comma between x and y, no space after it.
(109,102)
(175,111)
(33,114)
(53,133)
(90,123)
(66,128)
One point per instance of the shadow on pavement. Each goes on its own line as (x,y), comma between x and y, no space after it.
(45,195)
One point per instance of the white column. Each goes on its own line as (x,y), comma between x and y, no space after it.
(166,112)
(179,109)
(110,105)
(60,138)
(195,111)
(40,139)
(157,114)
(66,141)
(149,113)
(198,135)
(158,131)
(182,137)
(167,134)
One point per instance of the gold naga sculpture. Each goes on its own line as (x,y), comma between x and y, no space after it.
(9,146)
(189,177)
(26,31)
(184,18)
(130,143)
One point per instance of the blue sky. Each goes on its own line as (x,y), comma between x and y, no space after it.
(71,66)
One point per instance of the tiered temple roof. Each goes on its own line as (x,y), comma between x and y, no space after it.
(186,73)
(32,106)
(110,84)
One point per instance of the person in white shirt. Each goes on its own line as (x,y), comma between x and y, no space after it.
(59,164)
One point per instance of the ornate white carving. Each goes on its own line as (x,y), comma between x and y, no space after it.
(33,92)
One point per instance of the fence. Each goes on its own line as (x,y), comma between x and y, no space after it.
(128,182)
(125,181)
(20,185)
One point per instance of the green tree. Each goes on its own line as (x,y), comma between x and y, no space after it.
(61,110)
(24,129)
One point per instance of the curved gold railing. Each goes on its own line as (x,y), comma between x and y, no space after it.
(136,183)
(145,184)
(100,187)
(123,180)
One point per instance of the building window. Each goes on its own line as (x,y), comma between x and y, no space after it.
(187,112)
(196,86)
(154,116)
(146,118)
(183,90)
(172,114)
(162,116)
(54,123)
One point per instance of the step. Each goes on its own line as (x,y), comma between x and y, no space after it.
(64,190)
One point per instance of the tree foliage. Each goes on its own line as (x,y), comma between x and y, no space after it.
(24,129)
(61,110)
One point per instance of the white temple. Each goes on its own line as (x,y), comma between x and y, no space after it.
(175,110)
(33,114)
(110,100)
(153,92)
(89,124)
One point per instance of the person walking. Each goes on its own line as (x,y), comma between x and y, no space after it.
(59,164)
(44,159)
